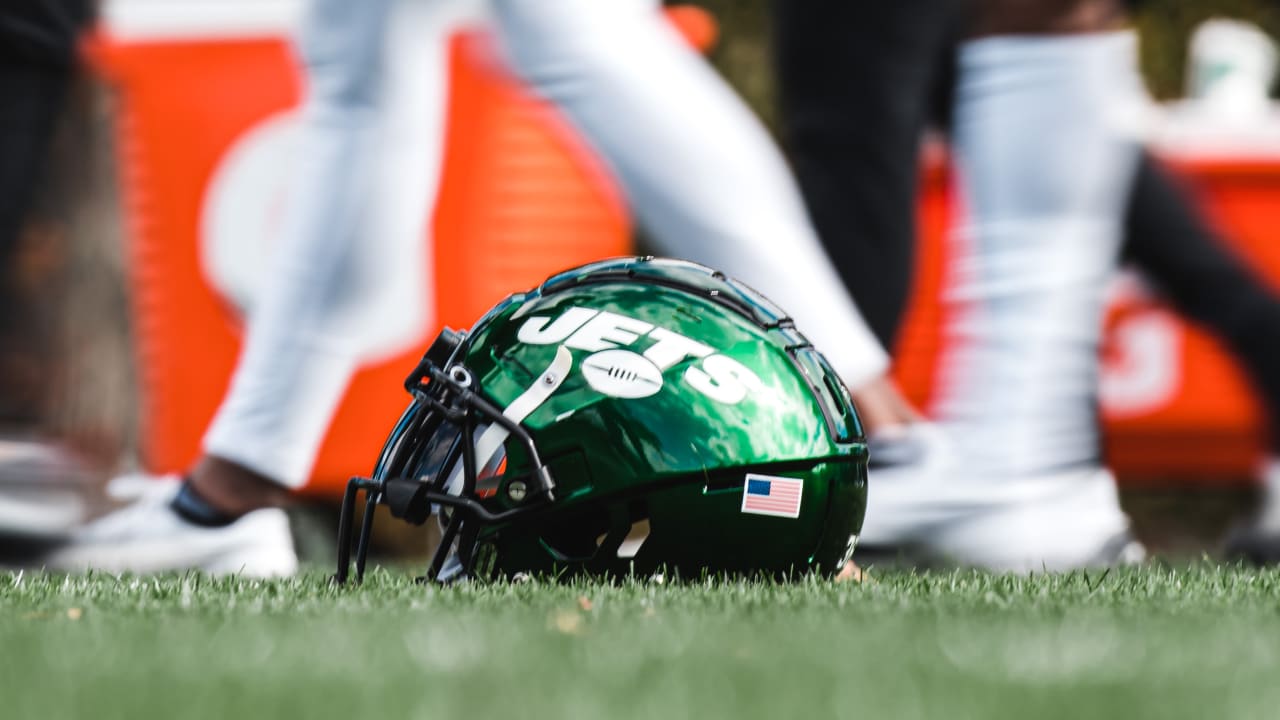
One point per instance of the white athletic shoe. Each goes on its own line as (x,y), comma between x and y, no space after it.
(42,494)
(147,536)
(1257,540)
(922,503)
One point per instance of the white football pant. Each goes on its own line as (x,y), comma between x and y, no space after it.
(1046,143)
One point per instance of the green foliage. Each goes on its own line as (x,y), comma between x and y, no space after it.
(1147,642)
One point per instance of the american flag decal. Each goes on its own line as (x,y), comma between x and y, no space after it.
(765,495)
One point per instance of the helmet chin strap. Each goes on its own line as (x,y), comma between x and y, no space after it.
(491,440)
(446,568)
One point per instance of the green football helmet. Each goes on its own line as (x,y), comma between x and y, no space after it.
(627,416)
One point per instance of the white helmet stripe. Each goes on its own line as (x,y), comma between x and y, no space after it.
(491,439)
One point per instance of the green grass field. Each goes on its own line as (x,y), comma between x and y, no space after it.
(1158,642)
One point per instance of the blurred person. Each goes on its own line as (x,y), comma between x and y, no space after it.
(39,482)
(1010,477)
(699,170)
(1213,287)
(859,85)
(1046,146)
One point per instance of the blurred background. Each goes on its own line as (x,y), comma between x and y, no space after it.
(88,354)
(1166,26)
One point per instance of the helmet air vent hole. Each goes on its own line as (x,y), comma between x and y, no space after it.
(573,537)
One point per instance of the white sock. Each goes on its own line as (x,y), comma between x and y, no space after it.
(1046,153)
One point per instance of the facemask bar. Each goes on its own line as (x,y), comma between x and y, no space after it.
(442,389)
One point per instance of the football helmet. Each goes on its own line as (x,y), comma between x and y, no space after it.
(627,416)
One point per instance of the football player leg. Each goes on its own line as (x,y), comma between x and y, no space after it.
(347,285)
(857,83)
(1190,264)
(700,171)
(40,484)
(1046,158)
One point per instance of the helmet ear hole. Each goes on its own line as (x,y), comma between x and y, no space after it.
(574,538)
(599,535)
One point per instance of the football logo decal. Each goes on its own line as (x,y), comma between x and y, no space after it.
(622,373)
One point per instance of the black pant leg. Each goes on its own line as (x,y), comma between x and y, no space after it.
(32,98)
(37,58)
(1173,244)
(856,83)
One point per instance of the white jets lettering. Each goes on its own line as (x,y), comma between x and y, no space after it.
(607,331)
(719,377)
(723,378)
(541,331)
